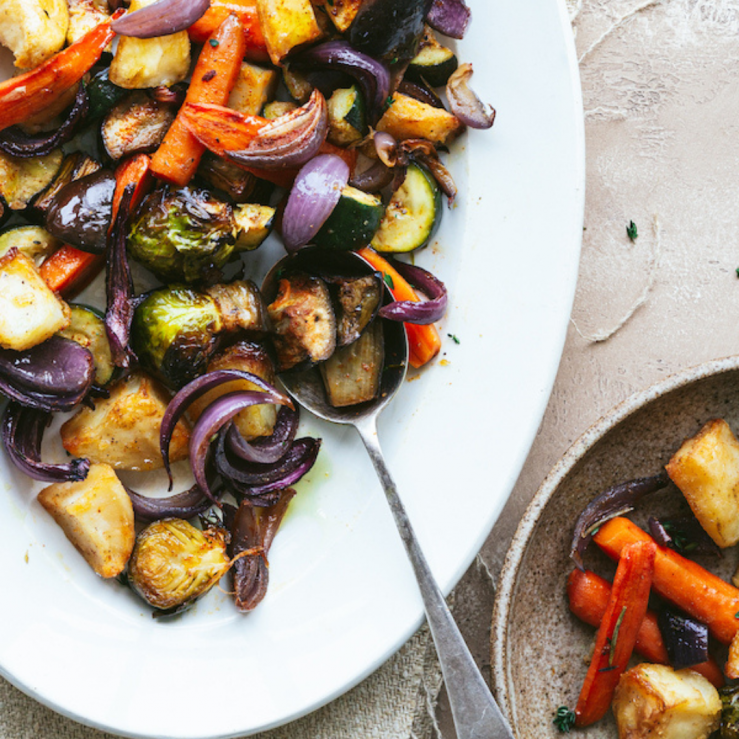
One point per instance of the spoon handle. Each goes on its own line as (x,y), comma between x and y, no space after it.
(475,712)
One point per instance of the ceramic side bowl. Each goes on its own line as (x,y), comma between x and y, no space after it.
(539,650)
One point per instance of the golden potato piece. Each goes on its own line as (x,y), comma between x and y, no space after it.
(657,702)
(30,312)
(286,25)
(96,515)
(123,430)
(84,15)
(408,118)
(706,469)
(34,30)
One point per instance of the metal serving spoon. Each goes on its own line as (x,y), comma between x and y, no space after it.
(476,714)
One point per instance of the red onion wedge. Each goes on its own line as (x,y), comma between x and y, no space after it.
(119,286)
(424,312)
(53,376)
(615,501)
(23,431)
(288,141)
(373,76)
(213,418)
(198,387)
(684,534)
(313,196)
(372,179)
(449,17)
(187,504)
(420,92)
(686,639)
(17,143)
(464,103)
(161,18)
(386,147)
(270,449)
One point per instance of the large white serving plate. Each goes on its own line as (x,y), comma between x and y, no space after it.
(342,597)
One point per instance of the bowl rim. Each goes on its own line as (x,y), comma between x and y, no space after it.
(500,677)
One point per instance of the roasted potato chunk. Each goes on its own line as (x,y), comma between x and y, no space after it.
(150,62)
(408,118)
(34,30)
(657,702)
(286,25)
(30,312)
(123,430)
(96,515)
(706,469)
(84,15)
(254,87)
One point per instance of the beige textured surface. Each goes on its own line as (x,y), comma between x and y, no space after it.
(661,89)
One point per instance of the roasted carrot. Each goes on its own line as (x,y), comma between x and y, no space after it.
(33,92)
(424,342)
(212,80)
(68,270)
(627,606)
(588,596)
(701,594)
(134,171)
(246,12)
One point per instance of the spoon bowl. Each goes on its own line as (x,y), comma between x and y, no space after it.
(474,710)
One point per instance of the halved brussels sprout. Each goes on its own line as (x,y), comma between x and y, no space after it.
(183,234)
(173,563)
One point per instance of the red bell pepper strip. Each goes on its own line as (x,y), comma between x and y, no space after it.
(588,595)
(212,80)
(617,633)
(700,593)
(32,92)
(246,12)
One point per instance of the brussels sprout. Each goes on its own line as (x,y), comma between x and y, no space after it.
(183,234)
(175,329)
(173,563)
(729,712)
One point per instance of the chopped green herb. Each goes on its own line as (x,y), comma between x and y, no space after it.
(631,231)
(454,338)
(389,281)
(737,271)
(736,615)
(388,102)
(214,42)
(564,719)
(614,638)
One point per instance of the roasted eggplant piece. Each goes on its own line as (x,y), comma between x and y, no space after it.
(136,124)
(183,234)
(176,329)
(352,373)
(22,179)
(80,212)
(356,301)
(222,175)
(173,563)
(388,29)
(248,356)
(304,322)
(74,167)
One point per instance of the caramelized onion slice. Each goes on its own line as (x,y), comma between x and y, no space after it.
(463,101)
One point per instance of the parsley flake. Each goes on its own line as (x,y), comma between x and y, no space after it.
(389,281)
(737,271)
(631,231)
(214,42)
(454,338)
(388,102)
(564,719)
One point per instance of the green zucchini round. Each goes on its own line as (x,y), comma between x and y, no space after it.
(352,223)
(87,328)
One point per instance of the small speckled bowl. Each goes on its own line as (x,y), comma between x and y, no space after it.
(539,651)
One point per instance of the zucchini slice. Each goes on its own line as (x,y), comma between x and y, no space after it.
(347,119)
(33,241)
(412,215)
(353,222)
(103,95)
(253,223)
(87,328)
(136,124)
(433,63)
(22,179)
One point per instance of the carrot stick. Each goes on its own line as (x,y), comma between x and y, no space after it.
(68,270)
(424,342)
(246,12)
(33,92)
(134,171)
(588,595)
(212,80)
(627,606)
(701,594)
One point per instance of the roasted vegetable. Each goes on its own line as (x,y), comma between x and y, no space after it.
(22,179)
(408,118)
(30,312)
(103,95)
(356,301)
(706,469)
(342,12)
(433,63)
(79,214)
(657,702)
(75,166)
(254,87)
(176,329)
(254,222)
(173,563)
(34,242)
(123,430)
(219,174)
(729,728)
(353,222)
(88,330)
(347,118)
(304,322)
(183,234)
(84,15)
(136,124)
(257,420)
(96,515)
(140,63)
(286,24)
(34,30)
